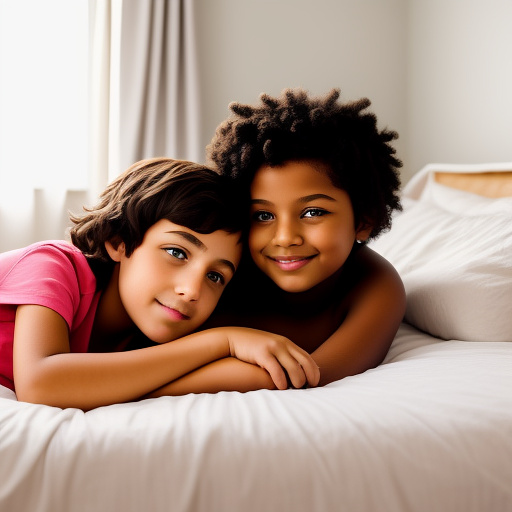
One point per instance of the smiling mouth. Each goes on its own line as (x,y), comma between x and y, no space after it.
(173,313)
(290,263)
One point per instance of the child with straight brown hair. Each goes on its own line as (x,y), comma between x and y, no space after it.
(151,259)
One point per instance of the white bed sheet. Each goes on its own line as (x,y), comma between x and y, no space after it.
(428,430)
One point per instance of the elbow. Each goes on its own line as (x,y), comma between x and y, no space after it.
(33,395)
(28,389)
(38,391)
(38,397)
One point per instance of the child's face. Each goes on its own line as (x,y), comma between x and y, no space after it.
(302,227)
(172,282)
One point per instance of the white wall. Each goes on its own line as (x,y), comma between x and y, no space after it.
(251,46)
(437,71)
(459,81)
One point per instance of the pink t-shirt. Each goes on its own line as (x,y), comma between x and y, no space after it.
(54,274)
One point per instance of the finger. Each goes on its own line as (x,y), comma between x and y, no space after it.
(310,368)
(312,372)
(275,371)
(293,369)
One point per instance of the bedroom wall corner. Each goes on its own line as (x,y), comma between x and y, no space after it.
(459,79)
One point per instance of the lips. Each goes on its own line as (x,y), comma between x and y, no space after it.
(291,263)
(175,312)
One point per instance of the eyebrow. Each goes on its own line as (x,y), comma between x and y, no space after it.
(195,241)
(191,238)
(228,264)
(312,197)
(305,199)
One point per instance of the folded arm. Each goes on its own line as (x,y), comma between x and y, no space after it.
(228,374)
(45,371)
(363,339)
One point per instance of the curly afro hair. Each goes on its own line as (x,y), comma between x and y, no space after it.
(295,126)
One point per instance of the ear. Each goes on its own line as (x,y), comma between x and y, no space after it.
(115,248)
(363,232)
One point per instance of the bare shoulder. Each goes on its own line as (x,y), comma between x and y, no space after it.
(372,265)
(373,309)
(377,282)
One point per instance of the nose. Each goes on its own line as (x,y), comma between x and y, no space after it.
(287,233)
(189,288)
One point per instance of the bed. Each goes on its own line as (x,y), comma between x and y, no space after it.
(430,429)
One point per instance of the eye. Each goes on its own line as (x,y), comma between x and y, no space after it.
(215,277)
(177,253)
(262,216)
(314,212)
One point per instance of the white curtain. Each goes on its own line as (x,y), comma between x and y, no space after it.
(103,34)
(144,85)
(143,101)
(159,87)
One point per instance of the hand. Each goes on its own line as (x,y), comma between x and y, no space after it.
(276,354)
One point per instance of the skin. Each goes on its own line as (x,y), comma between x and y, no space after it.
(179,276)
(303,232)
(343,311)
(166,288)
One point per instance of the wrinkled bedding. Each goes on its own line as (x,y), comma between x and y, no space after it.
(430,429)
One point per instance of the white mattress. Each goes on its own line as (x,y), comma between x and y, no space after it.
(428,430)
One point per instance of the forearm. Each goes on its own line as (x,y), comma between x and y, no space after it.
(46,372)
(361,342)
(91,380)
(373,317)
(354,348)
(228,374)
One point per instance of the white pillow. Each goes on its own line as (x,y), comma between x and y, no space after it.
(465,203)
(453,251)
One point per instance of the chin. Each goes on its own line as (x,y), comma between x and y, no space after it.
(291,287)
(163,337)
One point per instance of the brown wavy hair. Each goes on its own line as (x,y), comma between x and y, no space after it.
(360,158)
(183,192)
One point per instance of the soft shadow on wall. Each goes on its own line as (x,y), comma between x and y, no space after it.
(438,72)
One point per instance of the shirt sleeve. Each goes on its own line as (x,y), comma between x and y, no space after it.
(44,276)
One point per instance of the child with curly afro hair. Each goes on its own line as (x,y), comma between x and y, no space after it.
(320,180)
(344,136)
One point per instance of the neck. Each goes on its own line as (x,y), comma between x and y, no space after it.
(112,327)
(317,298)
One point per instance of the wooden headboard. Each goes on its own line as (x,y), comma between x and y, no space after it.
(488,184)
